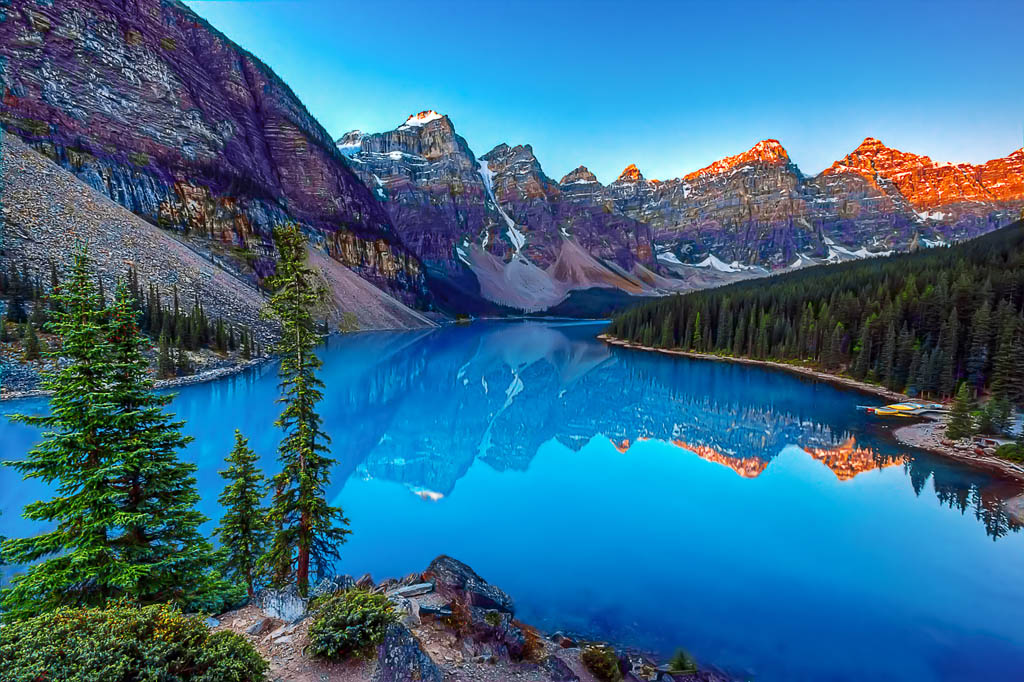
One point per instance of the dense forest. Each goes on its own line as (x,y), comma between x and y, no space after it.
(176,328)
(924,323)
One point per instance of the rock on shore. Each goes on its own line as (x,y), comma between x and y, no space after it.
(454,626)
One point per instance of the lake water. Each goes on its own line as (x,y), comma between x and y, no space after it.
(753,517)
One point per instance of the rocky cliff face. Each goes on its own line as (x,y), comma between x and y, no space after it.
(156,109)
(957,200)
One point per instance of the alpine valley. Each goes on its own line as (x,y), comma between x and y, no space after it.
(151,107)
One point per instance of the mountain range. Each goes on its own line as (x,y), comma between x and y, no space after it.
(148,104)
(529,240)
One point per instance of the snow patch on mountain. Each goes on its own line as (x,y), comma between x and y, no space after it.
(517,238)
(421,119)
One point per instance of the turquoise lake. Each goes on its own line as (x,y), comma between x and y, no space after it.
(753,517)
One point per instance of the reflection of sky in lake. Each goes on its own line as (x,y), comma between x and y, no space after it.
(751,516)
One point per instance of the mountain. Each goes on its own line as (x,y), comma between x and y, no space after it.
(497,228)
(150,105)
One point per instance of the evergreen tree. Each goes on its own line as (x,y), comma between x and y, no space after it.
(122,518)
(961,423)
(667,327)
(30,342)
(978,354)
(165,364)
(308,531)
(164,557)
(244,530)
(71,457)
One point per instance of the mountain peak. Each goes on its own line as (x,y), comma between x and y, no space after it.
(422,118)
(768,151)
(580,175)
(631,174)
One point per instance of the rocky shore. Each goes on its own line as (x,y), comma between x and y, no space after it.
(20,381)
(930,435)
(454,627)
(927,435)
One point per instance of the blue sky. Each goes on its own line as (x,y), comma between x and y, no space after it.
(670,86)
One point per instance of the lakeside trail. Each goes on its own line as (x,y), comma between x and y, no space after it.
(927,435)
(160,384)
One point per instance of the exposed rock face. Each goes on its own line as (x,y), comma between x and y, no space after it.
(401,658)
(961,200)
(496,226)
(156,109)
(742,216)
(48,212)
(452,576)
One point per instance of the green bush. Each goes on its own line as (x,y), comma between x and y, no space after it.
(124,643)
(350,624)
(602,663)
(682,662)
(1011,451)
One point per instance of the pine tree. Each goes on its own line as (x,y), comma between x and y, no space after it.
(70,457)
(667,327)
(863,360)
(978,353)
(308,531)
(30,342)
(164,557)
(165,364)
(961,423)
(244,530)
(122,522)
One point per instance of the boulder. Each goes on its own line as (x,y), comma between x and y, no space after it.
(365,582)
(284,604)
(338,583)
(558,670)
(414,590)
(400,659)
(259,627)
(456,579)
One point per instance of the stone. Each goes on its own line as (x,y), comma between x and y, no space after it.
(284,604)
(259,627)
(338,583)
(400,658)
(458,579)
(414,590)
(212,623)
(558,670)
(365,582)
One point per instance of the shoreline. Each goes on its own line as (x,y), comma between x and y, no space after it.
(159,384)
(924,435)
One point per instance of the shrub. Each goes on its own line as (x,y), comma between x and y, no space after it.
(682,662)
(1011,451)
(461,620)
(124,643)
(350,624)
(602,663)
(533,647)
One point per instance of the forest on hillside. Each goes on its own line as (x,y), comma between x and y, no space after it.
(922,323)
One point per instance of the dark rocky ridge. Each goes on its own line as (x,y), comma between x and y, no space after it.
(150,105)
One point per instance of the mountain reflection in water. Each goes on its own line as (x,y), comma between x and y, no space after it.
(425,407)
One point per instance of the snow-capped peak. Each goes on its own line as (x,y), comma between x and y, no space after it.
(422,118)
